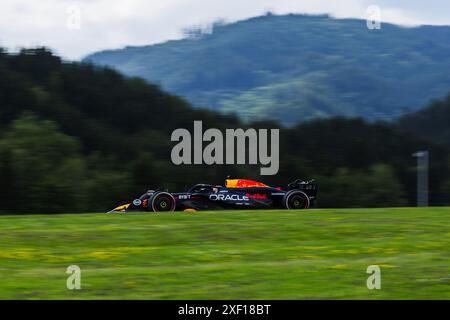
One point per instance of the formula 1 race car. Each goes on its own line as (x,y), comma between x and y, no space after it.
(237,194)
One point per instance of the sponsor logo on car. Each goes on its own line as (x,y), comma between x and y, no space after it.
(233,197)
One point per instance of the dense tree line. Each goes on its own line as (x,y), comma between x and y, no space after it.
(76,138)
(432,122)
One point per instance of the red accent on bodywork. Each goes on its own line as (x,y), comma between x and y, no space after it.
(257,196)
(244,183)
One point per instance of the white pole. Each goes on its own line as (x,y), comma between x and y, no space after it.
(422,178)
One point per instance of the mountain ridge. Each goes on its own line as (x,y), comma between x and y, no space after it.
(297,67)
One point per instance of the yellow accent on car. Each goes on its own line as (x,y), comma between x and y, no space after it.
(231,183)
(122,207)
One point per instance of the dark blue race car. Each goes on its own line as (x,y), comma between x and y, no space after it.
(237,194)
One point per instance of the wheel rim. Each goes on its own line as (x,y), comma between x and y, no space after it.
(297,202)
(163,204)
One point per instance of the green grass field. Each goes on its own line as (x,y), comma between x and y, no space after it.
(310,254)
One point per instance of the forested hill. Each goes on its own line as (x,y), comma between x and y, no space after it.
(295,67)
(98,105)
(431,123)
(75,137)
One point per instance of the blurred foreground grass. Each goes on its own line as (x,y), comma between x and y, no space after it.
(228,255)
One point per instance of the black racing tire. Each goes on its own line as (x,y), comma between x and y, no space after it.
(296,199)
(162,202)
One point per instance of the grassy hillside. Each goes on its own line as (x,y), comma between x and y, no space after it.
(228,255)
(295,67)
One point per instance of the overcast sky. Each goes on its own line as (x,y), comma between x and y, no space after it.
(75,28)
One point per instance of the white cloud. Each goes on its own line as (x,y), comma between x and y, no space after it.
(108,24)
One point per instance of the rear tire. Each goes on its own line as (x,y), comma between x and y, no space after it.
(296,199)
(162,202)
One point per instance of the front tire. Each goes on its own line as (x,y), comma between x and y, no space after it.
(296,199)
(162,202)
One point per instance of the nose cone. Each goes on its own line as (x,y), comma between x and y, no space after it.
(121,208)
